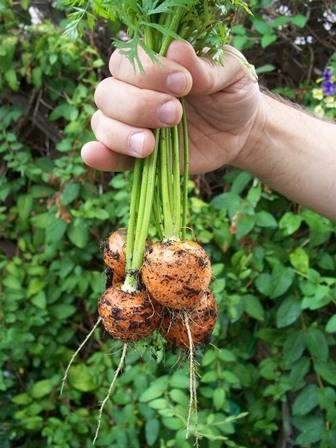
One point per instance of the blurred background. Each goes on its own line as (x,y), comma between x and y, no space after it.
(269,377)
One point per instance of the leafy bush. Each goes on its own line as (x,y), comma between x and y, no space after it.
(270,375)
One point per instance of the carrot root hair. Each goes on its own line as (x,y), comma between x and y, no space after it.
(74,356)
(116,374)
(192,384)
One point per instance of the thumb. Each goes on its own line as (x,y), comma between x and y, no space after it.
(208,77)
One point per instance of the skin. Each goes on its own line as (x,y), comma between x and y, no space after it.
(230,122)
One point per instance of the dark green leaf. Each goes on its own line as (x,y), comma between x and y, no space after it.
(288,312)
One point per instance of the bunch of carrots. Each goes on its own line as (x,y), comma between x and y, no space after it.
(160,284)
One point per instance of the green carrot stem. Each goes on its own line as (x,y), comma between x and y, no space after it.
(174,24)
(157,213)
(176,181)
(141,237)
(170,168)
(136,182)
(164,180)
(185,170)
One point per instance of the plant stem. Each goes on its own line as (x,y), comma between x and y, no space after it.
(185,170)
(176,182)
(140,238)
(174,24)
(166,206)
(136,183)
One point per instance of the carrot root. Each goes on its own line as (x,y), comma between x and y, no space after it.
(120,366)
(76,353)
(192,384)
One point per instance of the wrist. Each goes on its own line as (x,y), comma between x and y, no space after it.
(255,141)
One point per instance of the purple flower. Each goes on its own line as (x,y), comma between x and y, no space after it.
(328,88)
(327,75)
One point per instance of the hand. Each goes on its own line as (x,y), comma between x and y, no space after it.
(223,102)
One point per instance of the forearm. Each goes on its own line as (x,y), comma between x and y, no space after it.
(295,154)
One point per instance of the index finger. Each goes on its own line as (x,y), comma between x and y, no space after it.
(162,75)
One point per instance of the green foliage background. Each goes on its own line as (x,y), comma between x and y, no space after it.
(269,378)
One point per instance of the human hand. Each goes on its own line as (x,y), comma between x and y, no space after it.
(223,103)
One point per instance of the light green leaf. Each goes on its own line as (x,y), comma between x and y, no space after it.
(81,378)
(156,390)
(290,223)
(299,260)
(268,39)
(331,325)
(41,388)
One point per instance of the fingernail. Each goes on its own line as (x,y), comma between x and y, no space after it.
(168,113)
(137,142)
(177,83)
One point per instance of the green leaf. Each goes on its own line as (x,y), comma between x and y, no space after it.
(152,431)
(179,379)
(265,219)
(230,201)
(268,39)
(173,423)
(40,300)
(70,193)
(317,344)
(178,396)
(263,284)
(209,377)
(239,42)
(156,390)
(331,325)
(241,182)
(219,398)
(290,223)
(56,229)
(62,311)
(208,357)
(267,68)
(253,307)
(282,279)
(244,225)
(327,370)
(78,233)
(42,388)
(299,260)
(23,399)
(293,347)
(64,110)
(35,285)
(277,284)
(288,312)
(11,78)
(81,378)
(299,20)
(306,401)
(311,428)
(226,355)
(261,26)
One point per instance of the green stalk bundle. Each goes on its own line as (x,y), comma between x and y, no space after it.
(158,193)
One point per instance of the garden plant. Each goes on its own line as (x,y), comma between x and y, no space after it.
(268,375)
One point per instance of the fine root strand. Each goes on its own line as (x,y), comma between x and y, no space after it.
(76,353)
(192,383)
(120,365)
